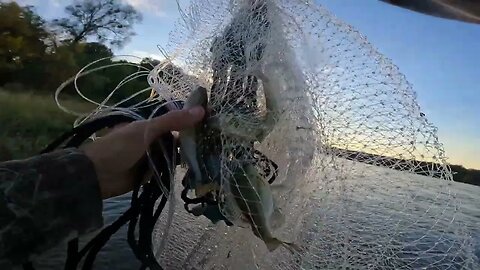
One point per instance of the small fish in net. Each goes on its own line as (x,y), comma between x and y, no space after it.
(311,137)
(346,125)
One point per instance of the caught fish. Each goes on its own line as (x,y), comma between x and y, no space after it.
(253,128)
(192,151)
(198,149)
(255,201)
(212,212)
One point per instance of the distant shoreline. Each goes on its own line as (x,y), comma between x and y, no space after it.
(460,173)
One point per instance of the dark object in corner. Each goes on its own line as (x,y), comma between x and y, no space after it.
(459,10)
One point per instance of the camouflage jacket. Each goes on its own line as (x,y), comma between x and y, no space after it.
(45,200)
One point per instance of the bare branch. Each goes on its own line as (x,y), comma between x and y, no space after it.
(103,20)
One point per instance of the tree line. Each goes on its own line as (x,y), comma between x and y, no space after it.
(38,55)
(460,173)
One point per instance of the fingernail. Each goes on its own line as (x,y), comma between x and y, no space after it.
(196,111)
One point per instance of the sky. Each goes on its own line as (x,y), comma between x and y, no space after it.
(438,57)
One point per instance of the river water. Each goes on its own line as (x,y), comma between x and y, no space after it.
(367,222)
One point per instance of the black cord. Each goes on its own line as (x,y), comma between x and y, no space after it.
(80,134)
(72,254)
(142,204)
(141,208)
(28,266)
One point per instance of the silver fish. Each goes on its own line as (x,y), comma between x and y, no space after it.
(252,128)
(255,200)
(190,149)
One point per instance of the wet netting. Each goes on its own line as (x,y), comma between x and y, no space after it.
(314,153)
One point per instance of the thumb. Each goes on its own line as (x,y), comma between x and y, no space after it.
(174,121)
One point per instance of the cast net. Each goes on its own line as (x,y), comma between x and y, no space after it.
(362,179)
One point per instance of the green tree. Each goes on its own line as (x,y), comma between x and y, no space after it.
(67,59)
(29,56)
(149,62)
(107,21)
(59,66)
(87,53)
(22,39)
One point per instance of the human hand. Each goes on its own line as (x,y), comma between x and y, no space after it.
(116,155)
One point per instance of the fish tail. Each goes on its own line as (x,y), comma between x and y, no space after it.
(277,219)
(274,243)
(293,248)
(259,74)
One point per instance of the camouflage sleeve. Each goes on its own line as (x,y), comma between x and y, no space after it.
(44,201)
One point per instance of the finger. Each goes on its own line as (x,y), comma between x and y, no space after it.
(117,127)
(174,121)
(178,120)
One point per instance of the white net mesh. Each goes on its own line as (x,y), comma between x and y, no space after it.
(362,179)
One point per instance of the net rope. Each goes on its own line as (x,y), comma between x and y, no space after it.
(357,158)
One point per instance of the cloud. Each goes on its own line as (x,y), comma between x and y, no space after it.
(55,3)
(157,7)
(48,9)
(22,2)
(161,8)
